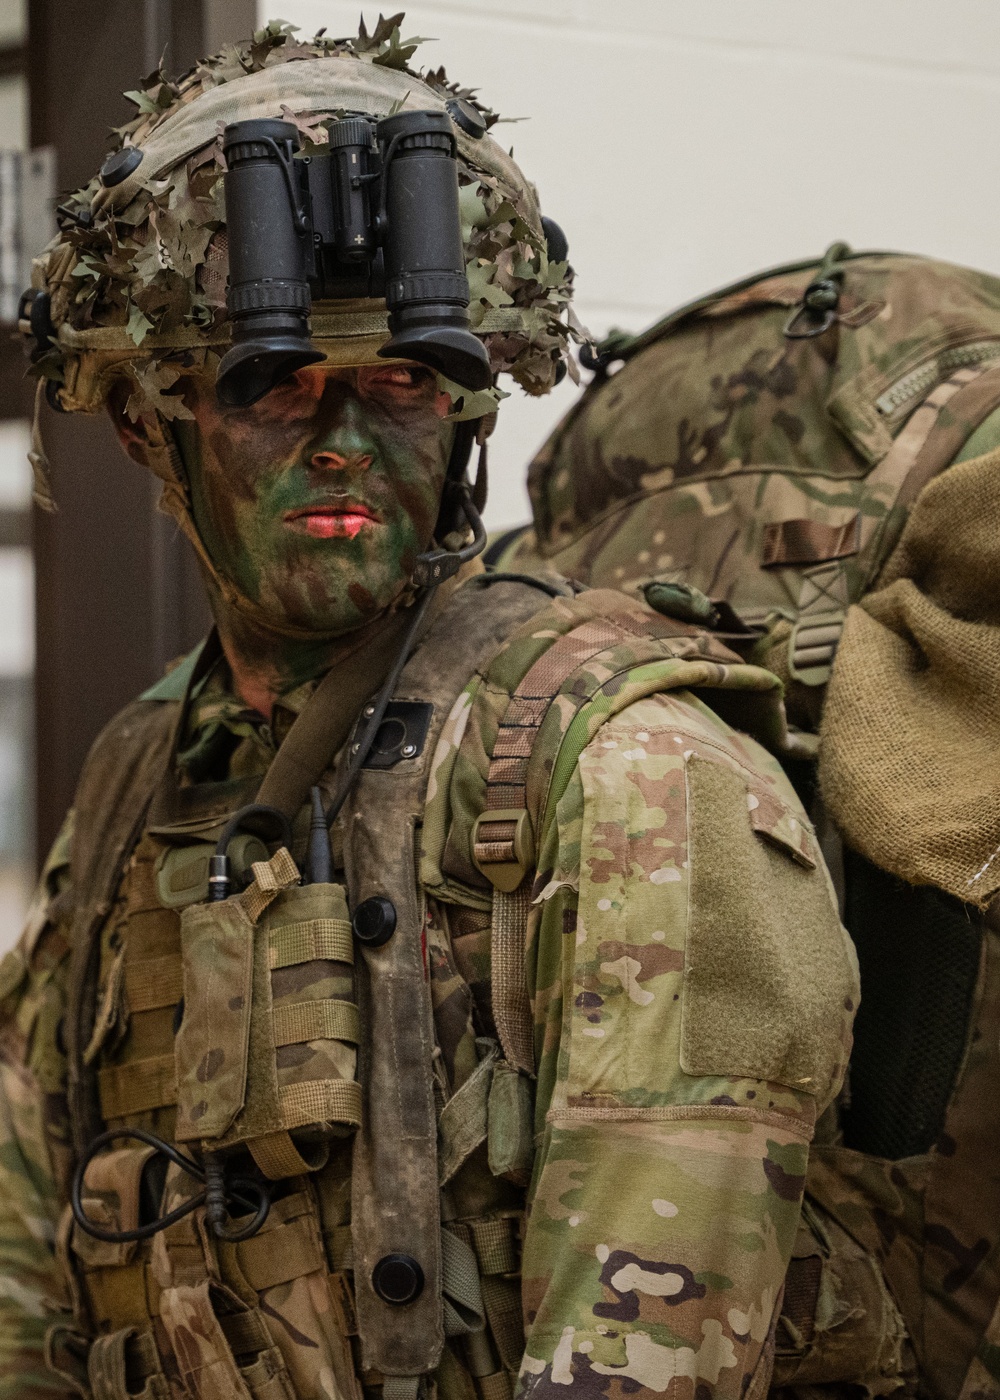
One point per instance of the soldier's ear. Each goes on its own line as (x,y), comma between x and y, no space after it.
(140,439)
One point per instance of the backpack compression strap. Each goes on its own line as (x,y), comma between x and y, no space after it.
(924,447)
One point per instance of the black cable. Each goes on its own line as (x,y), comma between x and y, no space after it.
(378,713)
(237,1191)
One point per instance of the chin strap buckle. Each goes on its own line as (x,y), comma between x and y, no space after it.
(436,565)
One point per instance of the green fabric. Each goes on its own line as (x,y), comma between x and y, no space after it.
(173,686)
(986,438)
(764,1003)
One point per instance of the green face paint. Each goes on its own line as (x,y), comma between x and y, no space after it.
(316,501)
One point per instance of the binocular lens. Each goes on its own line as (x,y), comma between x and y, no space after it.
(427,291)
(293,228)
(268,298)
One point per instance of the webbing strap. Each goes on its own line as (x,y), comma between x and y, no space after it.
(106,1366)
(326,1019)
(922,448)
(461,1294)
(152,983)
(246,1331)
(290,1251)
(508,771)
(319,1101)
(137,1086)
(496,1243)
(309,940)
(496,1387)
(511,1003)
(277,1156)
(270,877)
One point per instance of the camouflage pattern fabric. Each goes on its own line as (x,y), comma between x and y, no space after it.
(724,455)
(663,1202)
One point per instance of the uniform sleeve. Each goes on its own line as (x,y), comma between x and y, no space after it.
(693,993)
(32,1106)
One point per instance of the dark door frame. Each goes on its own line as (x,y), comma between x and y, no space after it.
(117,590)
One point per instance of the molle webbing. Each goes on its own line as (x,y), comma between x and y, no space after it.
(118,781)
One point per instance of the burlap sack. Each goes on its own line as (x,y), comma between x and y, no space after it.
(910,742)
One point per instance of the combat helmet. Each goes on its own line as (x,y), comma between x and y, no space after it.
(134,285)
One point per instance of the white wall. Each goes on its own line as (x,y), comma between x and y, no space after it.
(684,143)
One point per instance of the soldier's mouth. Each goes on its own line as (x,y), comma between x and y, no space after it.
(340,522)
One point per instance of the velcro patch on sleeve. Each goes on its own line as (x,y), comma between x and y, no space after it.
(769,978)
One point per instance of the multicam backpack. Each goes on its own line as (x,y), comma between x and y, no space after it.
(765,442)
(764,446)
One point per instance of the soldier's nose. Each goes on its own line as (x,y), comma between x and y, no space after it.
(342,461)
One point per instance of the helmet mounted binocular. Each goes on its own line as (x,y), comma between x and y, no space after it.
(374,214)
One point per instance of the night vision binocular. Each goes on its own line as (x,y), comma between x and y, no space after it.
(375,214)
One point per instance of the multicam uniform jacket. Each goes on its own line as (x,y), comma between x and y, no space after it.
(691,995)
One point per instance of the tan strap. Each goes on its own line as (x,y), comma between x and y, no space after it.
(502,840)
(152,983)
(511,1003)
(320,1101)
(106,1366)
(326,1019)
(277,1156)
(137,1086)
(495,837)
(245,1331)
(270,877)
(309,1102)
(291,1251)
(310,940)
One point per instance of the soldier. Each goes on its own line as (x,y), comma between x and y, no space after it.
(513,1071)
(818,448)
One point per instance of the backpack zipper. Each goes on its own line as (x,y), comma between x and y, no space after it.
(919,382)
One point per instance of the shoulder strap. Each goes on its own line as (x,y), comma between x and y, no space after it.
(595,670)
(116,787)
(923,448)
(394,1180)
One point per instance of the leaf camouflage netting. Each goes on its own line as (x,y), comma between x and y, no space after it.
(157,266)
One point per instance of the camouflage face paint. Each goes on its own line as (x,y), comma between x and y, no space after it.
(316,501)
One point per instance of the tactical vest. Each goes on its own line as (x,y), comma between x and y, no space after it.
(765,444)
(432,1181)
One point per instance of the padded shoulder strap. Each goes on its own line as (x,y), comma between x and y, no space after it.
(614,656)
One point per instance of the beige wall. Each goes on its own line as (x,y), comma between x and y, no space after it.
(683,143)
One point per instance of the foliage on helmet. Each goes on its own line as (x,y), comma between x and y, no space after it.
(158,266)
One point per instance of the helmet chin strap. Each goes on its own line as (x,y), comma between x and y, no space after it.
(457,511)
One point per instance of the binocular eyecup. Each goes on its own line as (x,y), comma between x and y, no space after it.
(375,214)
